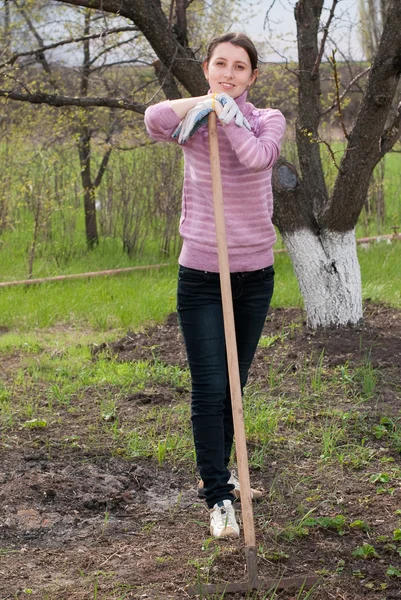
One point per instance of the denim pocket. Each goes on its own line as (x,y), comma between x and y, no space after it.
(267,274)
(187,276)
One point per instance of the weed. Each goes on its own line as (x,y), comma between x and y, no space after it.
(266,341)
(35,424)
(359,524)
(366,551)
(393,571)
(367,376)
(337,523)
(316,377)
(161,451)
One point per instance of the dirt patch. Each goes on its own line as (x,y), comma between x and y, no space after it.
(80,522)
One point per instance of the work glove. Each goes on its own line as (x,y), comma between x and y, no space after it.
(231,111)
(197,116)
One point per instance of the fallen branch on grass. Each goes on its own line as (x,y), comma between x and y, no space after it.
(80,275)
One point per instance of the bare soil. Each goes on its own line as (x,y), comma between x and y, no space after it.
(80,522)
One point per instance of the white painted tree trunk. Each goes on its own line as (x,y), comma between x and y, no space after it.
(329,277)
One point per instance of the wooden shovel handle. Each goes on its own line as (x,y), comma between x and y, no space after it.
(229,330)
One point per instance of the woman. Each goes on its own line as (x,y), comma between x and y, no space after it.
(249,145)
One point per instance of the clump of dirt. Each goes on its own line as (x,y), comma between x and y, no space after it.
(80,523)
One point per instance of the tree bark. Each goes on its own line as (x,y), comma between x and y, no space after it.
(92,238)
(328,274)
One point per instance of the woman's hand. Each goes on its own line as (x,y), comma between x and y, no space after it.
(230,110)
(195,118)
(225,107)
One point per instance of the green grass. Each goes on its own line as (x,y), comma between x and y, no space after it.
(381,272)
(131,300)
(102,303)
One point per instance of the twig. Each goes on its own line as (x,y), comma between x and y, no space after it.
(316,66)
(345,92)
(337,88)
(266,20)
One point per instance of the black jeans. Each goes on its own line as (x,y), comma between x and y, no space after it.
(201,319)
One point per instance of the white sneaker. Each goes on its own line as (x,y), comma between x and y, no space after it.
(255,494)
(223,523)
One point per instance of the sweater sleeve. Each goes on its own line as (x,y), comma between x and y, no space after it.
(258,153)
(161,121)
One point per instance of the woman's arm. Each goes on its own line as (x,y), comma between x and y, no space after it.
(183,105)
(258,153)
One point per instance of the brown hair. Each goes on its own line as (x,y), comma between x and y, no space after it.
(237,39)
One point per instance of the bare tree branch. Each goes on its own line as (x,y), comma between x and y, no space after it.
(266,21)
(56,100)
(366,142)
(345,92)
(73,40)
(112,47)
(392,133)
(316,66)
(337,90)
(149,17)
(102,167)
(40,56)
(116,63)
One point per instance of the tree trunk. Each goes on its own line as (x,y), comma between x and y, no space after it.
(325,262)
(84,149)
(328,274)
(92,238)
(317,229)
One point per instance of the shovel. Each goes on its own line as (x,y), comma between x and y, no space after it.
(253,583)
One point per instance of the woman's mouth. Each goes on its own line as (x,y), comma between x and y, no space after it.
(227,86)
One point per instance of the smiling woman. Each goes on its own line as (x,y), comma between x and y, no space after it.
(249,144)
(231,66)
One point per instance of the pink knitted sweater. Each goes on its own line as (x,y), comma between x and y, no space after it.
(246,159)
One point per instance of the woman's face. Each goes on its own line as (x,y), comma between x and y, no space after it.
(229,70)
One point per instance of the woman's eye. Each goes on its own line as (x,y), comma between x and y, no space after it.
(240,67)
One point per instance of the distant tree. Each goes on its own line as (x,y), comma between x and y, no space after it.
(372,14)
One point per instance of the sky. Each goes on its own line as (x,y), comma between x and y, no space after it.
(281,35)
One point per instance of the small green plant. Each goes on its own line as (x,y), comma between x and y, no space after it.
(359,524)
(379,478)
(338,523)
(316,377)
(162,451)
(393,571)
(367,376)
(35,424)
(266,341)
(175,508)
(272,555)
(366,551)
